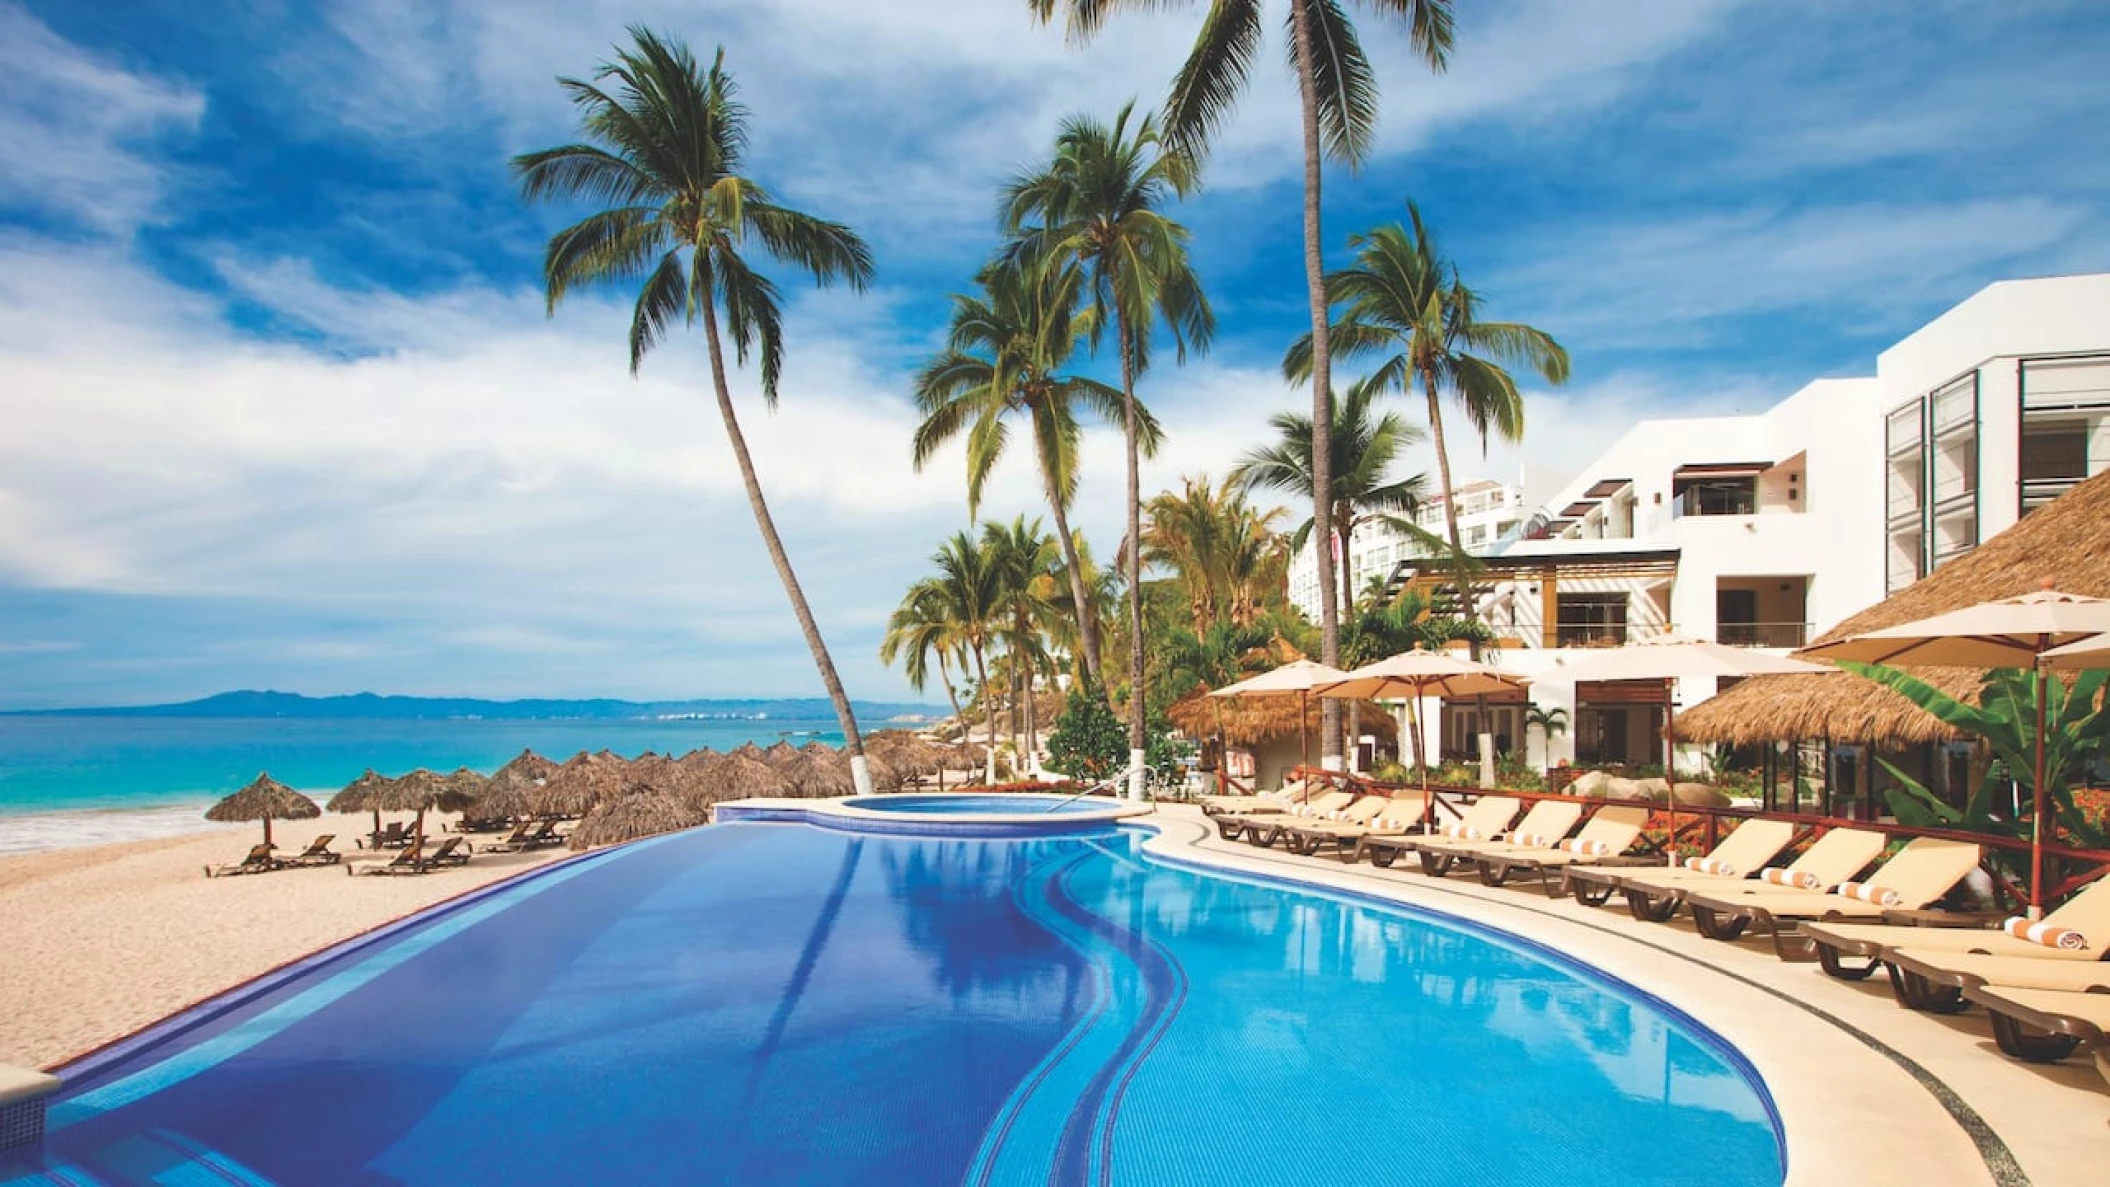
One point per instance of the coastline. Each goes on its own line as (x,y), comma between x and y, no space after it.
(105,939)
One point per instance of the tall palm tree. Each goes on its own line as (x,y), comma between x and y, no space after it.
(1027,561)
(1337,92)
(967,593)
(919,630)
(1224,552)
(1403,300)
(1365,446)
(664,148)
(1097,205)
(1005,352)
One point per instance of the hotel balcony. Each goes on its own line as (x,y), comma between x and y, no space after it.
(1762,634)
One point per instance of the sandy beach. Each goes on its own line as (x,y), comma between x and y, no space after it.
(103,940)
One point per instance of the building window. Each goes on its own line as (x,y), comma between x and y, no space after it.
(1952,468)
(1905,490)
(1718,496)
(1590,618)
(2065,425)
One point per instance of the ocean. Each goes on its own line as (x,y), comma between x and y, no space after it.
(67,781)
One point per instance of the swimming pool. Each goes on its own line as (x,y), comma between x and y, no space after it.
(969,804)
(763,1003)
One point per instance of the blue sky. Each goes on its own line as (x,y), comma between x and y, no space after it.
(279,406)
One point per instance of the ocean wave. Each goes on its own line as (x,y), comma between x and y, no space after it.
(71,828)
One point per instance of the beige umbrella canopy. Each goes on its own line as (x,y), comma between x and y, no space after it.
(636,812)
(1417,674)
(1299,677)
(266,799)
(579,784)
(2089,654)
(2007,633)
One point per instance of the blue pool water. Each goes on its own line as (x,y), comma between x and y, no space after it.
(967,804)
(778,1003)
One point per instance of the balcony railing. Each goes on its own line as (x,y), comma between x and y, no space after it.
(1762,634)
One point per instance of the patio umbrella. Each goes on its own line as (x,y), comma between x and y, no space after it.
(1416,674)
(2007,633)
(358,796)
(420,791)
(1300,677)
(1670,658)
(266,799)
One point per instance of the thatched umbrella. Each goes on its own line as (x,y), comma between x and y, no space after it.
(505,793)
(266,799)
(638,811)
(580,784)
(469,784)
(420,791)
(738,777)
(359,796)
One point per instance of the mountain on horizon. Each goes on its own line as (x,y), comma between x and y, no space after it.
(253,703)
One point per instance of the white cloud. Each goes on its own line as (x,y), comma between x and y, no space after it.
(77,131)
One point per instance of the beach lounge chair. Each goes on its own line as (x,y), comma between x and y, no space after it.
(318,853)
(404,862)
(2044,1025)
(1934,981)
(1294,791)
(1228,826)
(544,836)
(1541,829)
(1263,830)
(418,860)
(2086,915)
(1405,813)
(1484,817)
(394,835)
(1654,894)
(1612,830)
(258,861)
(452,852)
(1924,870)
(518,838)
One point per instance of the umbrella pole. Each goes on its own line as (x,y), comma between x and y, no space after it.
(1670,775)
(1303,728)
(2036,832)
(267,819)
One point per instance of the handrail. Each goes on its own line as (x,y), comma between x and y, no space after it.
(1109,781)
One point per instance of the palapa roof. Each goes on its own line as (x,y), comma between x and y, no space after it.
(265,798)
(580,784)
(506,792)
(1248,720)
(419,791)
(2062,541)
(358,795)
(637,812)
(738,777)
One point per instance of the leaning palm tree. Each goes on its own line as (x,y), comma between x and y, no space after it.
(1365,446)
(1337,91)
(664,146)
(1403,299)
(1026,560)
(1097,205)
(1005,353)
(919,630)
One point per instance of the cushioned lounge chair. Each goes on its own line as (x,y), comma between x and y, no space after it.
(1614,829)
(1924,870)
(1396,817)
(1934,981)
(2044,1025)
(318,853)
(1484,817)
(258,861)
(1294,791)
(1230,826)
(2086,914)
(1655,894)
(1541,829)
(1265,830)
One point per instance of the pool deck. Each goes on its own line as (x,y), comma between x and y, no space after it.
(1869,1093)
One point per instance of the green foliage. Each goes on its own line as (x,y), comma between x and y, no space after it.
(1552,722)
(1512,772)
(1088,742)
(2076,730)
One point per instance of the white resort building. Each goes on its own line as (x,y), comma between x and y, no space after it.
(1763,530)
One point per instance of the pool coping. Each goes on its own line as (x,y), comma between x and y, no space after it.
(1874,1110)
(846,813)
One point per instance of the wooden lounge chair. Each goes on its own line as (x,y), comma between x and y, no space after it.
(1612,830)
(2087,913)
(452,852)
(1484,817)
(545,835)
(1228,826)
(1655,894)
(1934,981)
(1921,872)
(2045,1025)
(1263,830)
(417,860)
(258,861)
(1541,829)
(394,835)
(1404,813)
(318,853)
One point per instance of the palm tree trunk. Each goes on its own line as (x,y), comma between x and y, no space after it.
(1137,742)
(860,770)
(981,671)
(952,694)
(1321,384)
(1026,763)
(1087,621)
(1462,581)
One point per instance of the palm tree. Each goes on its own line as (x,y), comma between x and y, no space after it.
(1365,447)
(967,593)
(1224,551)
(1004,353)
(1337,91)
(921,629)
(1026,560)
(664,153)
(1097,205)
(1403,299)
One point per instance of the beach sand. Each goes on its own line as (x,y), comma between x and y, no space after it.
(101,941)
